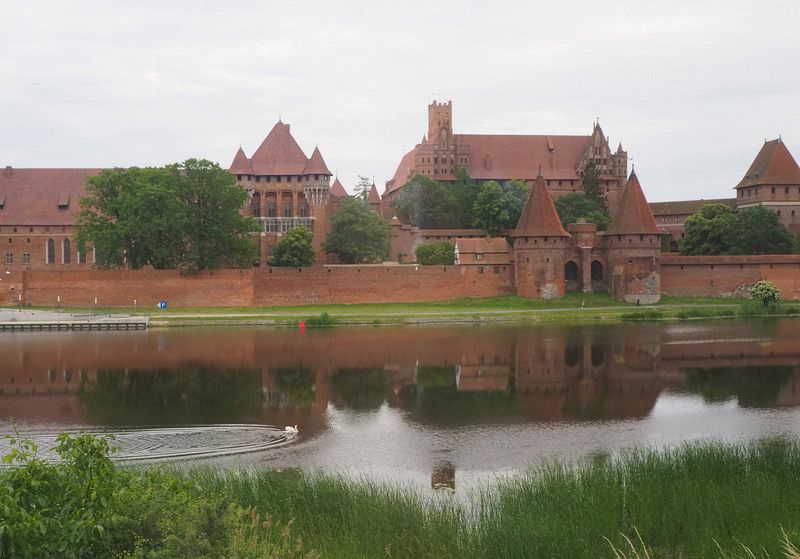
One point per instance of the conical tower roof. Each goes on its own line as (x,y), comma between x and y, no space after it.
(279,154)
(374,197)
(633,216)
(337,189)
(316,165)
(773,165)
(240,165)
(539,216)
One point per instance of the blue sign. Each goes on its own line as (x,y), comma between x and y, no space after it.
(162,305)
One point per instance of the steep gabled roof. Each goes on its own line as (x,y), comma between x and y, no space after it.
(279,154)
(49,197)
(539,216)
(633,216)
(507,157)
(337,189)
(773,165)
(374,197)
(316,165)
(240,165)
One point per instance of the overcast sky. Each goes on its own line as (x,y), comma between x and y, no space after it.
(691,89)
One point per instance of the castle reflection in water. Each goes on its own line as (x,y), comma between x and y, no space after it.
(444,375)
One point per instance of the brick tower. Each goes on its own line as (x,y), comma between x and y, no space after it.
(633,248)
(540,244)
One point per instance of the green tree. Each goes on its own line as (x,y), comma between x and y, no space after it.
(575,206)
(180,216)
(362,188)
(766,292)
(758,230)
(357,233)
(709,231)
(492,209)
(428,204)
(294,250)
(442,253)
(592,183)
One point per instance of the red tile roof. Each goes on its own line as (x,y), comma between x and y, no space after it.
(484,244)
(241,165)
(773,165)
(32,196)
(337,189)
(687,207)
(279,154)
(633,216)
(316,165)
(539,216)
(506,157)
(374,197)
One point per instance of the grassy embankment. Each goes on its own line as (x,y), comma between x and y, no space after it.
(490,309)
(700,500)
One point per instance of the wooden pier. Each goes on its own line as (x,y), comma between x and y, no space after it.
(71,324)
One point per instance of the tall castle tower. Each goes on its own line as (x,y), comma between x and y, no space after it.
(633,248)
(540,244)
(440,120)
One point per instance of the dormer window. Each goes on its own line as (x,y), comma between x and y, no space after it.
(63,201)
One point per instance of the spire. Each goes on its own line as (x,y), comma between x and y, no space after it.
(633,216)
(619,149)
(374,197)
(316,165)
(337,189)
(539,216)
(240,165)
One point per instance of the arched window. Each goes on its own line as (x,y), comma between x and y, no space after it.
(571,276)
(66,251)
(51,251)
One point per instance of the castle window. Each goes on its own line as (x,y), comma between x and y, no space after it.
(66,251)
(269,178)
(272,210)
(258,178)
(249,178)
(479,256)
(26,258)
(792,213)
(278,179)
(9,258)
(30,229)
(50,257)
(772,190)
(287,210)
(480,269)
(316,177)
(779,213)
(303,210)
(786,190)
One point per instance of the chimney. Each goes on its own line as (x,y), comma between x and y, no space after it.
(8,172)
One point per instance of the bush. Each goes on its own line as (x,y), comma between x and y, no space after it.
(86,506)
(766,293)
(441,253)
(322,321)
(294,250)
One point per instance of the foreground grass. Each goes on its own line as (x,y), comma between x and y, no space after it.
(698,500)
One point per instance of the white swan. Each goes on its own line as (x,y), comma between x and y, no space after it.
(291,430)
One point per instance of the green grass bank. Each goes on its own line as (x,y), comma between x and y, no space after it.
(572,307)
(698,500)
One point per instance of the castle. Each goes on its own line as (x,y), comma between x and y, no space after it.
(286,189)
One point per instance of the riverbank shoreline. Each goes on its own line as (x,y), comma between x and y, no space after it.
(696,500)
(509,309)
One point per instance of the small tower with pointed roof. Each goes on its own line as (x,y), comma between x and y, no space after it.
(633,248)
(540,244)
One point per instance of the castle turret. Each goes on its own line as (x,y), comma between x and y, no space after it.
(440,121)
(539,246)
(633,248)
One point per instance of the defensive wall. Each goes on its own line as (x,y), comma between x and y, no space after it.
(255,287)
(731,276)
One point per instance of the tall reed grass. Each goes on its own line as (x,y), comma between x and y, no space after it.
(698,500)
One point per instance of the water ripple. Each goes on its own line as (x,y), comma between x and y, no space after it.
(174,443)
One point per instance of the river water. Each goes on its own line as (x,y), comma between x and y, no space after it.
(427,406)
